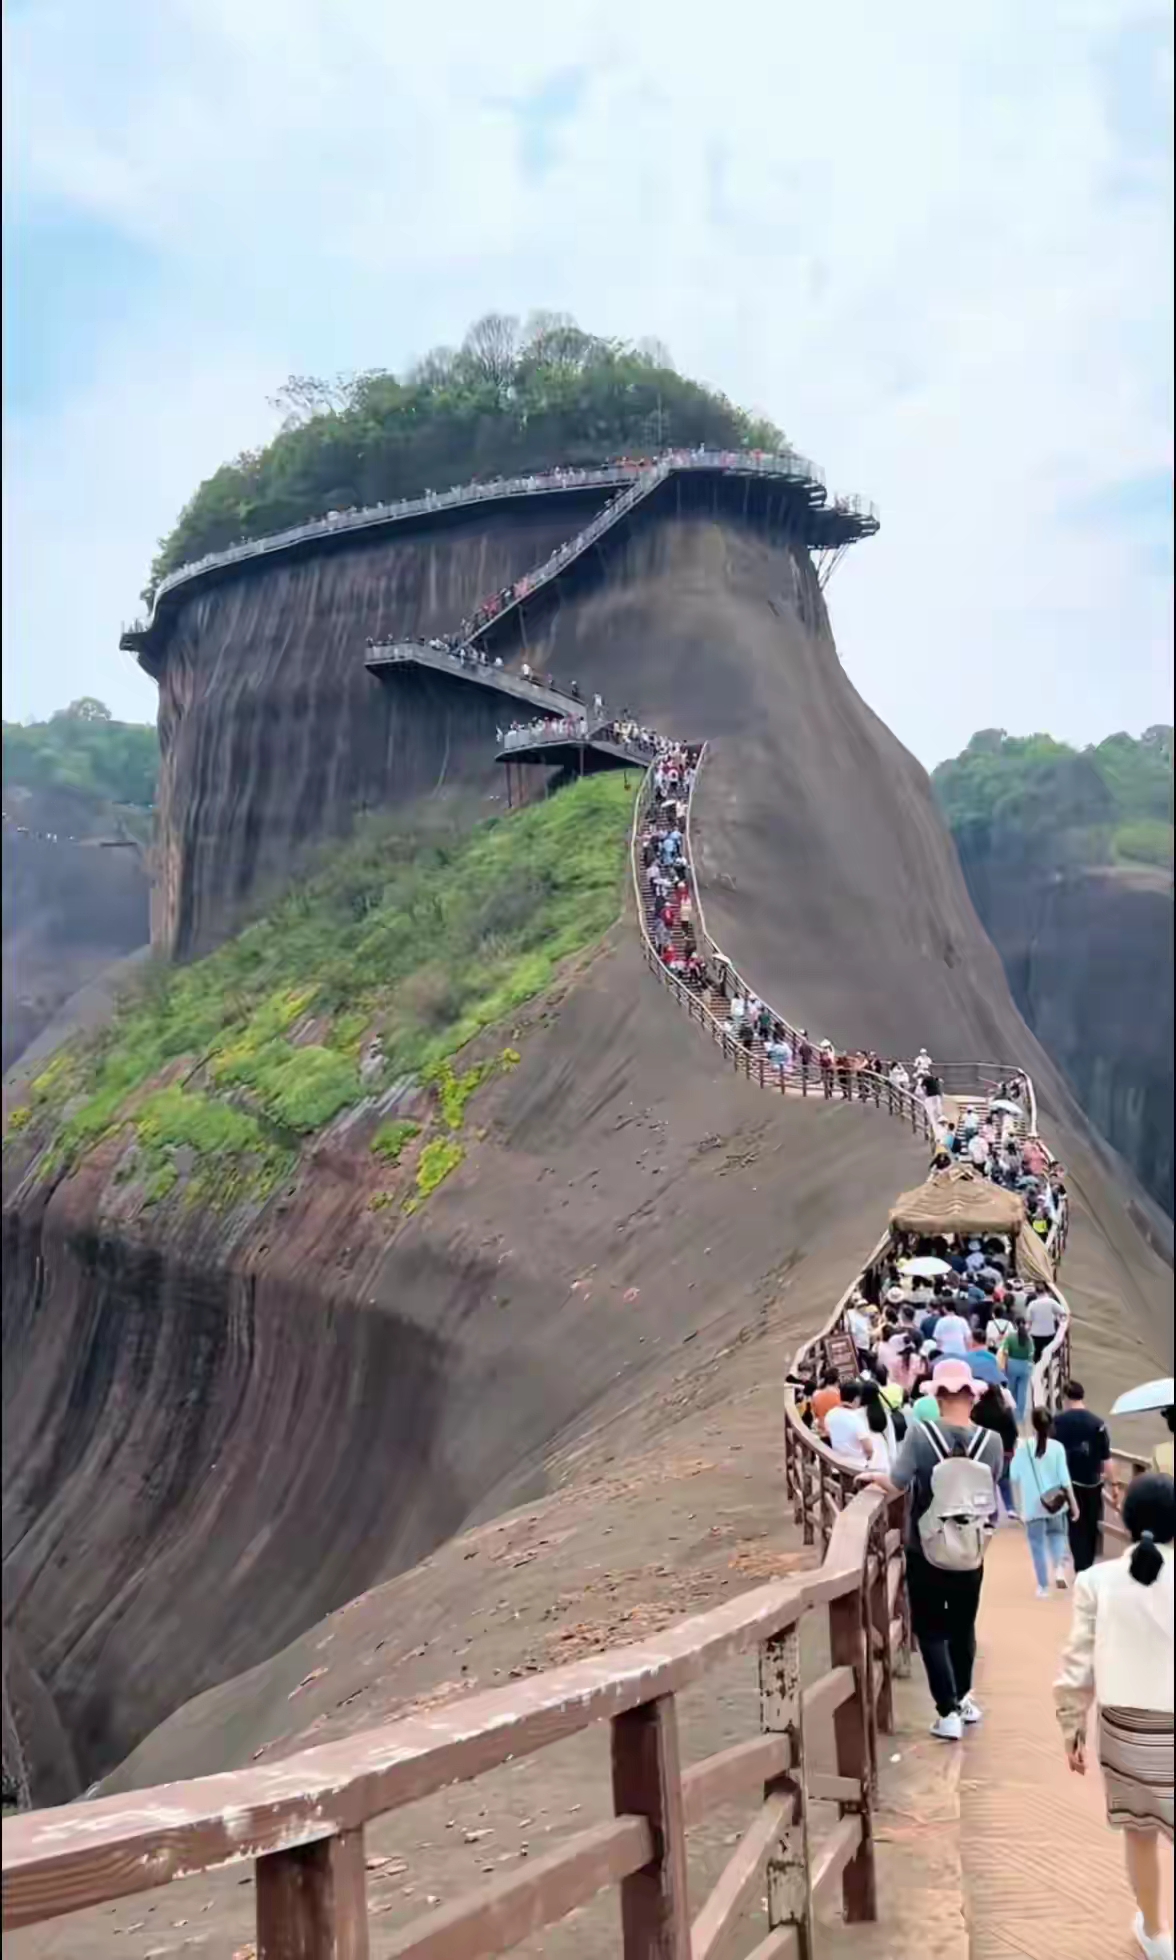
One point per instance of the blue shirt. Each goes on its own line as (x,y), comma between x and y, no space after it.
(985,1367)
(1035,1476)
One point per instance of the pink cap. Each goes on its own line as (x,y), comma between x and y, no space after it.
(954,1378)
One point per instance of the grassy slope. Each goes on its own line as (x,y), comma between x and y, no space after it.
(409,941)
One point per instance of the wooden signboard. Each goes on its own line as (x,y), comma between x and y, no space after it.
(840,1353)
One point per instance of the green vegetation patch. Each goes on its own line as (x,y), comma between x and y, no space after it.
(390,1139)
(438,1158)
(510,400)
(84,750)
(1038,799)
(418,934)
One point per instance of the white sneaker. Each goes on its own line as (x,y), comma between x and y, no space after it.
(1157,1946)
(970,1711)
(948,1728)
(1043,1592)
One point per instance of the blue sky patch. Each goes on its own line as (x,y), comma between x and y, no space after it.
(541,115)
(67,281)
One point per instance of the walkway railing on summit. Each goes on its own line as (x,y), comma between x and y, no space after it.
(644,473)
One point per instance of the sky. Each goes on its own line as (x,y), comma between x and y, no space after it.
(933,244)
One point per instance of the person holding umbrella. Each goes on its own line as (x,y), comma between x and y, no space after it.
(1148,1399)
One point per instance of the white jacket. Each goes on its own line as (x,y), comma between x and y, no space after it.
(1120,1644)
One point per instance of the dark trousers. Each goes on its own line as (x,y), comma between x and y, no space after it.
(1040,1343)
(943,1620)
(1085,1528)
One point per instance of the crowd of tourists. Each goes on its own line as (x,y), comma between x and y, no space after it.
(947,1332)
(669,901)
(939,1408)
(645,743)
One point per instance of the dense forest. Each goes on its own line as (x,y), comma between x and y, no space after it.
(1010,795)
(82,749)
(510,398)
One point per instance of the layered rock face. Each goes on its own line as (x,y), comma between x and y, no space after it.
(216,1433)
(273,734)
(1089,959)
(69,911)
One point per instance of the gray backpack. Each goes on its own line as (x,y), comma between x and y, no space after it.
(953,1530)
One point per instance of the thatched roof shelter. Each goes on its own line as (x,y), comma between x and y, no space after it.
(961,1201)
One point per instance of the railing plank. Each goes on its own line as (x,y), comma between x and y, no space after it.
(826,1695)
(312,1901)
(732,1773)
(647,1780)
(855,1741)
(741,1876)
(500,1914)
(781,1710)
(825,1788)
(834,1854)
(58,1861)
(783,1944)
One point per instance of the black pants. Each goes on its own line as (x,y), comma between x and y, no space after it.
(1084,1529)
(1040,1343)
(943,1620)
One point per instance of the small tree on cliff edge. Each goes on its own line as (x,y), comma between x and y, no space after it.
(87,708)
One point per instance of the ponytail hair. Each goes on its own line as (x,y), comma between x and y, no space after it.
(875,1407)
(1149,1514)
(1042,1426)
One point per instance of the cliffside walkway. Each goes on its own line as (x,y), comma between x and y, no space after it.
(527,691)
(827,525)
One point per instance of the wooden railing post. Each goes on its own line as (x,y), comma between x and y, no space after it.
(879,1611)
(312,1901)
(789,1895)
(852,1722)
(647,1782)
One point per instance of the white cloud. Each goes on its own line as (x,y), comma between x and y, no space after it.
(914,237)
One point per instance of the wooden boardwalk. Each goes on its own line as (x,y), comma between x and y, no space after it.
(1043,1875)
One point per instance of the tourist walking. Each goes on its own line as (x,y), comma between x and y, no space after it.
(1044,1498)
(1042,1320)
(847,1428)
(951,1468)
(992,1411)
(1087,1443)
(1019,1356)
(1120,1653)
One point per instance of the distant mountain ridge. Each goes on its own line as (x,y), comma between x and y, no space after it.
(1068,858)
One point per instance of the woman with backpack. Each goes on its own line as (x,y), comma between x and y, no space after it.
(1120,1653)
(950,1466)
(1045,1500)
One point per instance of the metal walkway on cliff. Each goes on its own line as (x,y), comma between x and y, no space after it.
(826,525)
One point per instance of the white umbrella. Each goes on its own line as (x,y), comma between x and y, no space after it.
(1014,1109)
(1149,1395)
(925,1268)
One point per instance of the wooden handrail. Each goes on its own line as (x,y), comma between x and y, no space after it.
(302,1818)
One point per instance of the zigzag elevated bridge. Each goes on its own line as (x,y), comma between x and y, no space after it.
(837,1819)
